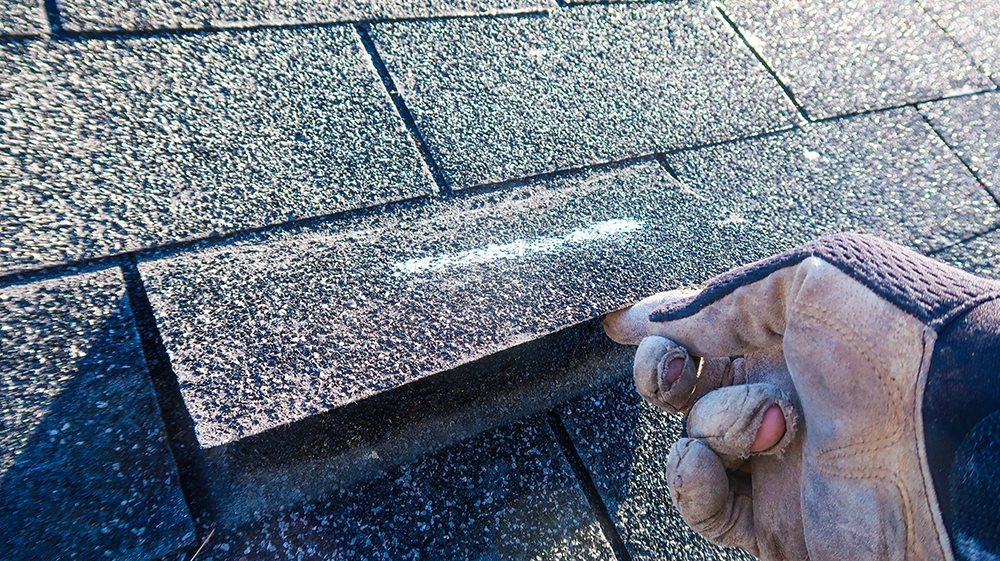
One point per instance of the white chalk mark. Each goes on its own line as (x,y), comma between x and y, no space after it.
(518,249)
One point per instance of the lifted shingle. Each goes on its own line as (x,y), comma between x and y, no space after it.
(271,330)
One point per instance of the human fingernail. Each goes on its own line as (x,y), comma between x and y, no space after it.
(772,429)
(671,373)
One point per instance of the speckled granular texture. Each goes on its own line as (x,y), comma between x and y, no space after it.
(971,125)
(980,255)
(843,57)
(886,174)
(280,327)
(111,145)
(95,15)
(508,494)
(22,18)
(84,464)
(975,24)
(504,98)
(624,443)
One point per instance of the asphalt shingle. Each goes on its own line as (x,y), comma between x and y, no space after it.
(887,174)
(844,57)
(113,145)
(971,125)
(86,470)
(277,328)
(97,15)
(975,24)
(22,18)
(503,98)
(624,443)
(508,494)
(979,255)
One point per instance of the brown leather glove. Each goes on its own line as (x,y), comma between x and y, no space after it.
(845,336)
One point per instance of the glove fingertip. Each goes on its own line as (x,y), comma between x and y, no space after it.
(696,479)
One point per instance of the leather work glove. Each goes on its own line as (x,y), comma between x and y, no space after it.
(859,418)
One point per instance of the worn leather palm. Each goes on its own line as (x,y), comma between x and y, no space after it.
(870,351)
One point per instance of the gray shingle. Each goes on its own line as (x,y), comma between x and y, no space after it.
(507,494)
(83,456)
(96,15)
(886,173)
(112,145)
(845,57)
(502,98)
(22,18)
(274,329)
(624,443)
(971,125)
(980,255)
(975,24)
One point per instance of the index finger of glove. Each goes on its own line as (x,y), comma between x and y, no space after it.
(628,326)
(737,313)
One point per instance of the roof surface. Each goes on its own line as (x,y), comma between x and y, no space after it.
(309,279)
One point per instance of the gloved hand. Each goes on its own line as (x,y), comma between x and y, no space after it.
(847,407)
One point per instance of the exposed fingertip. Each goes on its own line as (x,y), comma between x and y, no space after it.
(772,429)
(673,371)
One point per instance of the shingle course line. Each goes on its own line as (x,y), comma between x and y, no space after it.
(913,104)
(58,33)
(55,270)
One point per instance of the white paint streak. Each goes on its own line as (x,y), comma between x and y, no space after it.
(518,249)
(964,90)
